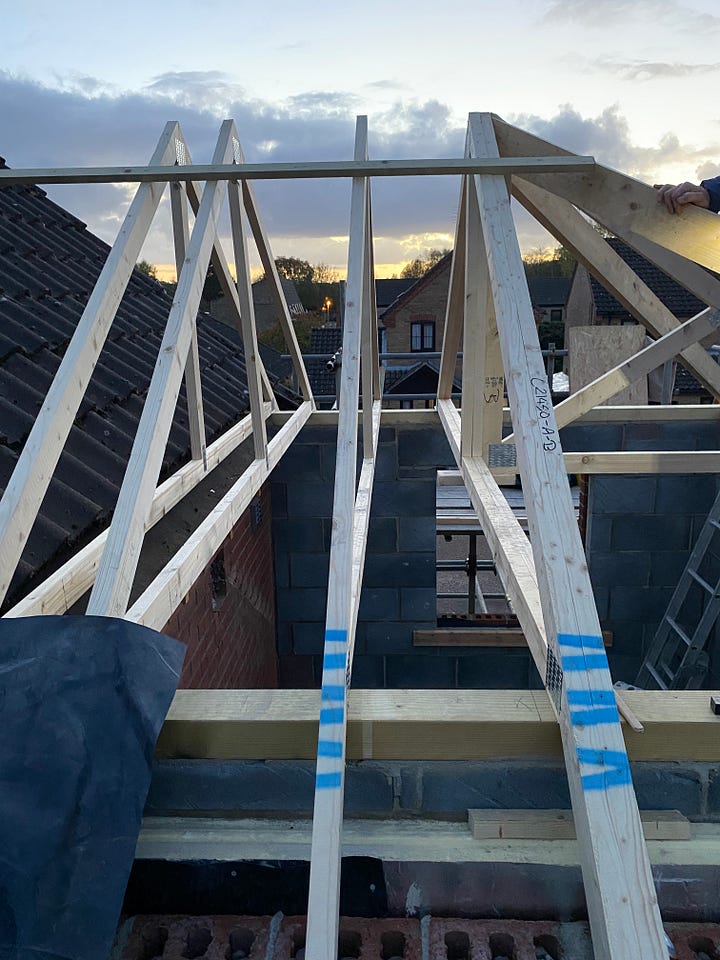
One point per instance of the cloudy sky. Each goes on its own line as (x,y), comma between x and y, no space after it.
(628,81)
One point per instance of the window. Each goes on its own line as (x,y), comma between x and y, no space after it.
(422,336)
(555,316)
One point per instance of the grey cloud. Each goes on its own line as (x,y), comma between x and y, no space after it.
(591,13)
(639,70)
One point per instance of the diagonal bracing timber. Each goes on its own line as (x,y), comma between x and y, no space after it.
(351,513)
(621,899)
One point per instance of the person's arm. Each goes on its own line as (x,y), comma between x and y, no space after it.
(713,188)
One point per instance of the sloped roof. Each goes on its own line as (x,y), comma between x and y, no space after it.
(49,263)
(419,377)
(386,291)
(407,295)
(325,341)
(549,291)
(675,297)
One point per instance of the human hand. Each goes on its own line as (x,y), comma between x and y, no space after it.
(677,197)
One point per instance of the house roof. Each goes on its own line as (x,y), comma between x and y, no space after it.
(49,263)
(387,291)
(325,341)
(419,377)
(407,295)
(549,291)
(675,297)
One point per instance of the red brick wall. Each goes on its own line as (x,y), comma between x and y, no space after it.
(231,643)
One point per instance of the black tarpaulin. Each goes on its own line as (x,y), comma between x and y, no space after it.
(82,700)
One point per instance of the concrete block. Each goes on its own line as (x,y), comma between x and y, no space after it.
(668,786)
(295,672)
(624,666)
(387,435)
(419,473)
(386,462)
(417,533)
(685,494)
(310,500)
(418,603)
(278,494)
(316,434)
(632,603)
(282,569)
(298,534)
(309,569)
(602,599)
(308,638)
(379,603)
(301,463)
(368,672)
(284,639)
(494,670)
(328,459)
(713,795)
(660,436)
(301,604)
(599,532)
(631,569)
(382,535)
(390,638)
(368,788)
(410,498)
(450,787)
(424,447)
(592,437)
(420,671)
(410,777)
(612,495)
(650,533)
(400,569)
(666,567)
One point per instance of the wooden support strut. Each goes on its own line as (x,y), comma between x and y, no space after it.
(622,904)
(35,466)
(113,583)
(351,512)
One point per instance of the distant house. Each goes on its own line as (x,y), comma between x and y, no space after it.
(549,297)
(589,304)
(415,320)
(266,313)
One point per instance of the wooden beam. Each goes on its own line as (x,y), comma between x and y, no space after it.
(559,825)
(61,589)
(113,583)
(342,604)
(35,466)
(193,386)
(163,596)
(211,172)
(640,365)
(589,248)
(422,725)
(455,309)
(622,905)
(479,637)
(644,461)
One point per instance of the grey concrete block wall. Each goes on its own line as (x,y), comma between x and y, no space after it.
(640,530)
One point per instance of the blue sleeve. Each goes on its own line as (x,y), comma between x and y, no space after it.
(713,188)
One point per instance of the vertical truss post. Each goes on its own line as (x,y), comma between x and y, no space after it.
(116,572)
(621,899)
(238,224)
(351,510)
(455,309)
(33,471)
(193,386)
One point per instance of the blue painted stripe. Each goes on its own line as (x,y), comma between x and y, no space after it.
(336,636)
(590,698)
(329,748)
(333,692)
(580,641)
(593,661)
(591,718)
(615,774)
(332,715)
(328,781)
(334,661)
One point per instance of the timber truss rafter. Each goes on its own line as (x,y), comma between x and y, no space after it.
(489,312)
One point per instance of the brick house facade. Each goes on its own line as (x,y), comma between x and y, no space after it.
(415,322)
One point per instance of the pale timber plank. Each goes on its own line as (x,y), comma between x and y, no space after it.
(572,230)
(621,899)
(422,725)
(193,387)
(113,582)
(321,169)
(32,474)
(62,588)
(455,309)
(647,461)
(160,600)
(341,614)
(559,824)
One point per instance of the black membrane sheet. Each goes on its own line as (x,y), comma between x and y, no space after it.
(82,700)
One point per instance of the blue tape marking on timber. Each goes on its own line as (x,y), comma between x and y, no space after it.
(328,781)
(336,636)
(333,692)
(615,774)
(334,661)
(591,718)
(588,642)
(330,748)
(332,715)
(590,698)
(593,661)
